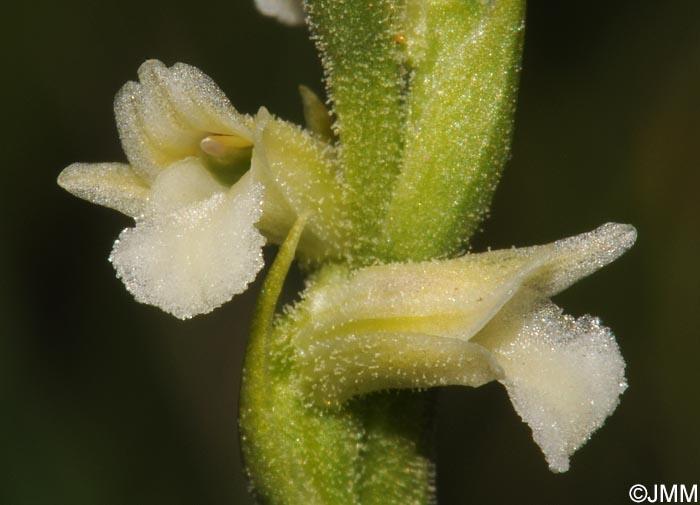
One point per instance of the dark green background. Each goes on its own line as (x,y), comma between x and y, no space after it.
(108,402)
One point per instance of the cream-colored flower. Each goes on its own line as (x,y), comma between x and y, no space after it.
(468,321)
(195,243)
(207,186)
(289,12)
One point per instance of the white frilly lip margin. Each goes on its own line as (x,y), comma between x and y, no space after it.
(289,12)
(473,319)
(196,246)
(564,375)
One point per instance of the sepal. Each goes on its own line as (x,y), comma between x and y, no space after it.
(113,185)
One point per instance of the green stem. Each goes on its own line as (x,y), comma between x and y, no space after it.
(366,74)
(423,92)
(362,452)
(397,461)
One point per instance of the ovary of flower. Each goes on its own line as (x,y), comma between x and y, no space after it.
(195,243)
(468,321)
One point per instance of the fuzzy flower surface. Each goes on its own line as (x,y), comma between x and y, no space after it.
(469,321)
(207,187)
(194,244)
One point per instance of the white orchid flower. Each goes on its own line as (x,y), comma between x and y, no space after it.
(195,243)
(207,186)
(471,320)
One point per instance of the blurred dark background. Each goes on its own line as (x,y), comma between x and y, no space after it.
(105,401)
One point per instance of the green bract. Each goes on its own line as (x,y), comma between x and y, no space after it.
(424,94)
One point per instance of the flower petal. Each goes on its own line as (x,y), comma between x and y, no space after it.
(114,185)
(289,12)
(142,151)
(165,116)
(183,183)
(195,259)
(198,98)
(564,375)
